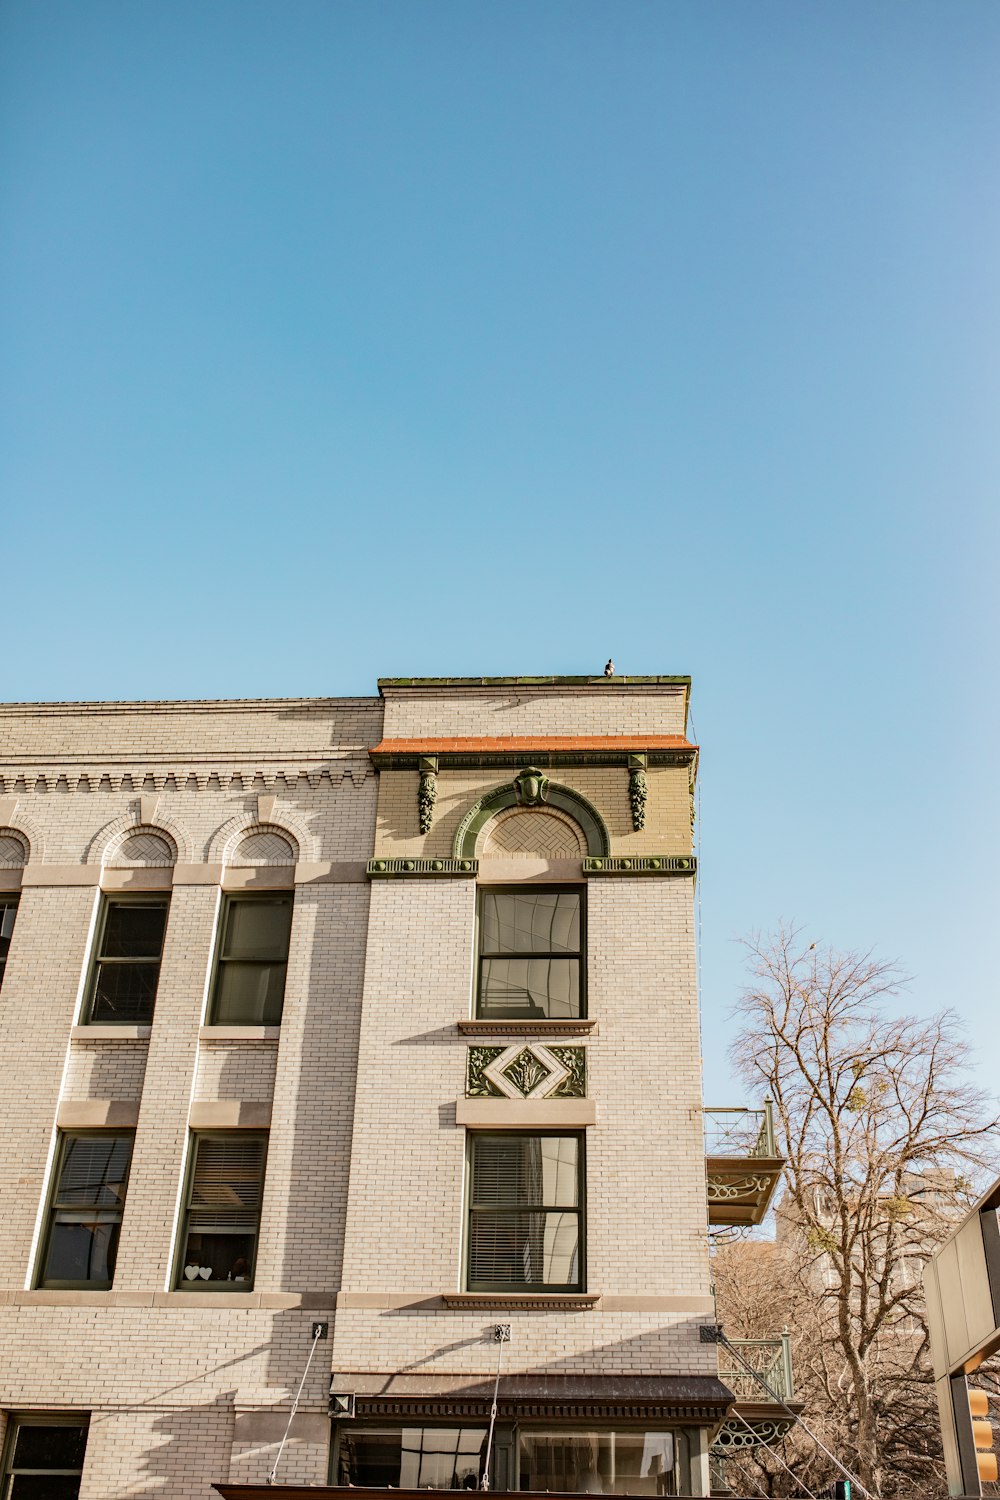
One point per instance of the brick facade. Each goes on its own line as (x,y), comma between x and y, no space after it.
(360,1088)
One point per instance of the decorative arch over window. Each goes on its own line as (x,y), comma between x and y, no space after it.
(122,842)
(14,825)
(142,848)
(531,788)
(265,846)
(13,849)
(226,846)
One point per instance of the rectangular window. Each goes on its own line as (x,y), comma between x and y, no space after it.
(412,1458)
(8,911)
(531,945)
(222,1212)
(85,1214)
(44,1457)
(251,960)
(525,1212)
(601,1462)
(127,960)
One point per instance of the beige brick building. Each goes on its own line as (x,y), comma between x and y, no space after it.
(338,1032)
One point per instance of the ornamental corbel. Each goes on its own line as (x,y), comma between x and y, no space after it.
(637,789)
(427,791)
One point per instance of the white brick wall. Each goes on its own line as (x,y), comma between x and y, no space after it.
(102,1069)
(183,1389)
(646,1216)
(309,1155)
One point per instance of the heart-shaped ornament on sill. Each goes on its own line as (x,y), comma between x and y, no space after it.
(190,1273)
(204,1272)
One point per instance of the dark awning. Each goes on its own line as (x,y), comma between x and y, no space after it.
(678,1398)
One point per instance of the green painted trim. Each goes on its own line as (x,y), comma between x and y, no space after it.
(563,797)
(642,864)
(575,1086)
(477,1085)
(395,869)
(597,677)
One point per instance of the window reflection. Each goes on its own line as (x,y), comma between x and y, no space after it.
(545,928)
(524,1212)
(416,1458)
(637,1462)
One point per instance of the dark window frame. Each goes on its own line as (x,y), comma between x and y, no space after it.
(9,900)
(579,889)
(52,1208)
(527,1288)
(109,900)
(219,959)
(237,1288)
(383,1424)
(16,1421)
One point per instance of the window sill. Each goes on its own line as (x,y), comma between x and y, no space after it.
(516,1301)
(213,1289)
(211,1297)
(64,1288)
(276,1301)
(580,1026)
(239,1034)
(51,1297)
(96,1032)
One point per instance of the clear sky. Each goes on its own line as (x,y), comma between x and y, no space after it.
(426,336)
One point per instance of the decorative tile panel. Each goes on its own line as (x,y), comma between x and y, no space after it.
(526,1070)
(545,834)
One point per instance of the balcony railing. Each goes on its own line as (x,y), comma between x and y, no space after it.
(771,1358)
(743,1164)
(740,1132)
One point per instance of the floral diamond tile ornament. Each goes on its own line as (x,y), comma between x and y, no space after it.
(526,1071)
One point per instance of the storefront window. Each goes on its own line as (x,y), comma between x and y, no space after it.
(633,1462)
(412,1458)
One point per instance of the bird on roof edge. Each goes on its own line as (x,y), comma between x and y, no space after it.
(609,670)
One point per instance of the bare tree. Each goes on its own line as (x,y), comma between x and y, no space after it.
(883,1137)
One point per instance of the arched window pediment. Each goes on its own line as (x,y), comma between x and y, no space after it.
(562,798)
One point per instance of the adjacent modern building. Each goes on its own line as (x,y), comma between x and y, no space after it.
(353,1128)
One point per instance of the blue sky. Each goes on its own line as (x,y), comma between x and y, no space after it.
(346,339)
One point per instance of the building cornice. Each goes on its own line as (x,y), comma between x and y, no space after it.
(614,683)
(464,752)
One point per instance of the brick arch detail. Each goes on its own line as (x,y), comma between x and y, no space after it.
(28,830)
(109,839)
(554,814)
(224,840)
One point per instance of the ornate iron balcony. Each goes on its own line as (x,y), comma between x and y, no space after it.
(743,1164)
(771,1358)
